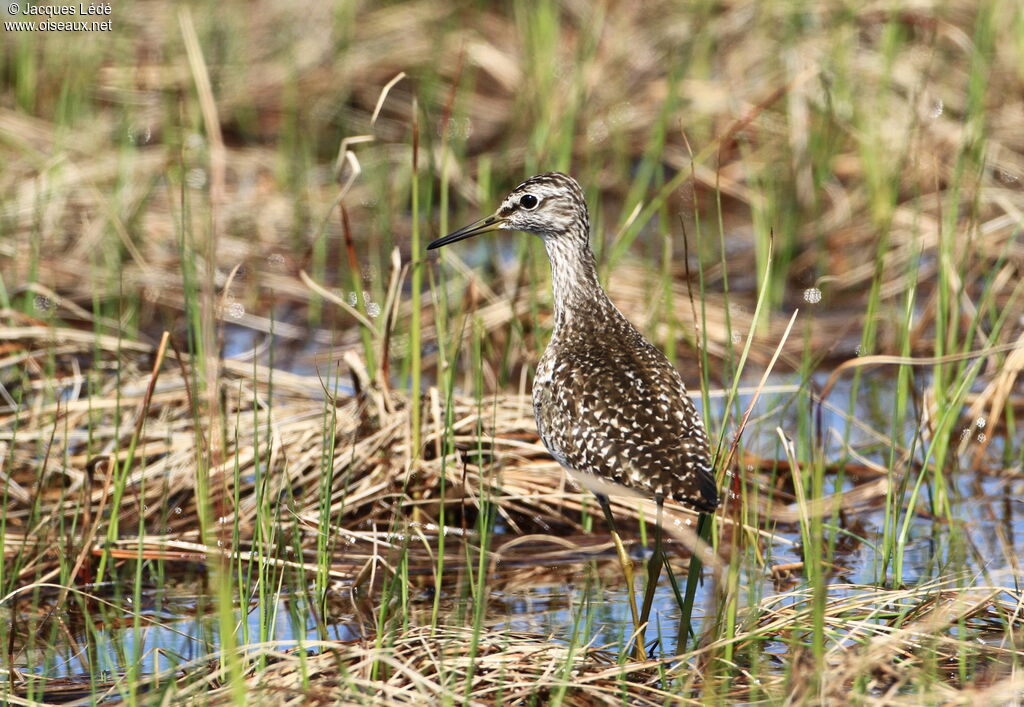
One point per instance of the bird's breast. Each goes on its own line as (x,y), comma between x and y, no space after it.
(545,410)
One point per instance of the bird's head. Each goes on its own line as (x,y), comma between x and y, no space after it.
(550,205)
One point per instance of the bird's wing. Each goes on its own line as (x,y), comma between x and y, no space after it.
(622,414)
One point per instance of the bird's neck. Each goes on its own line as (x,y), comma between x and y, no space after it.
(576,288)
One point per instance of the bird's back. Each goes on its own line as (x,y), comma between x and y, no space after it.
(609,404)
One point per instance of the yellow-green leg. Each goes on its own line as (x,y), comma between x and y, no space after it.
(639,651)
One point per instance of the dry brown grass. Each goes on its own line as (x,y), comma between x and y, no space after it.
(431,666)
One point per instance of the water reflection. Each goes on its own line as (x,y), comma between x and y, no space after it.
(171,629)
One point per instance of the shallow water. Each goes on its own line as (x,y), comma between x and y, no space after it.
(579,594)
(185,629)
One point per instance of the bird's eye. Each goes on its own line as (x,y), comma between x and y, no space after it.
(528,201)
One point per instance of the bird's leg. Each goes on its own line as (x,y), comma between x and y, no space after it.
(627,570)
(692,579)
(653,566)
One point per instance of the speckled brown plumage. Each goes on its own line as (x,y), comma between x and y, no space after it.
(608,404)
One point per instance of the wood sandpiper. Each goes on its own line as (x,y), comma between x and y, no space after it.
(609,406)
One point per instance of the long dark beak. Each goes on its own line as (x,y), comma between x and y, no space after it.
(491,223)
